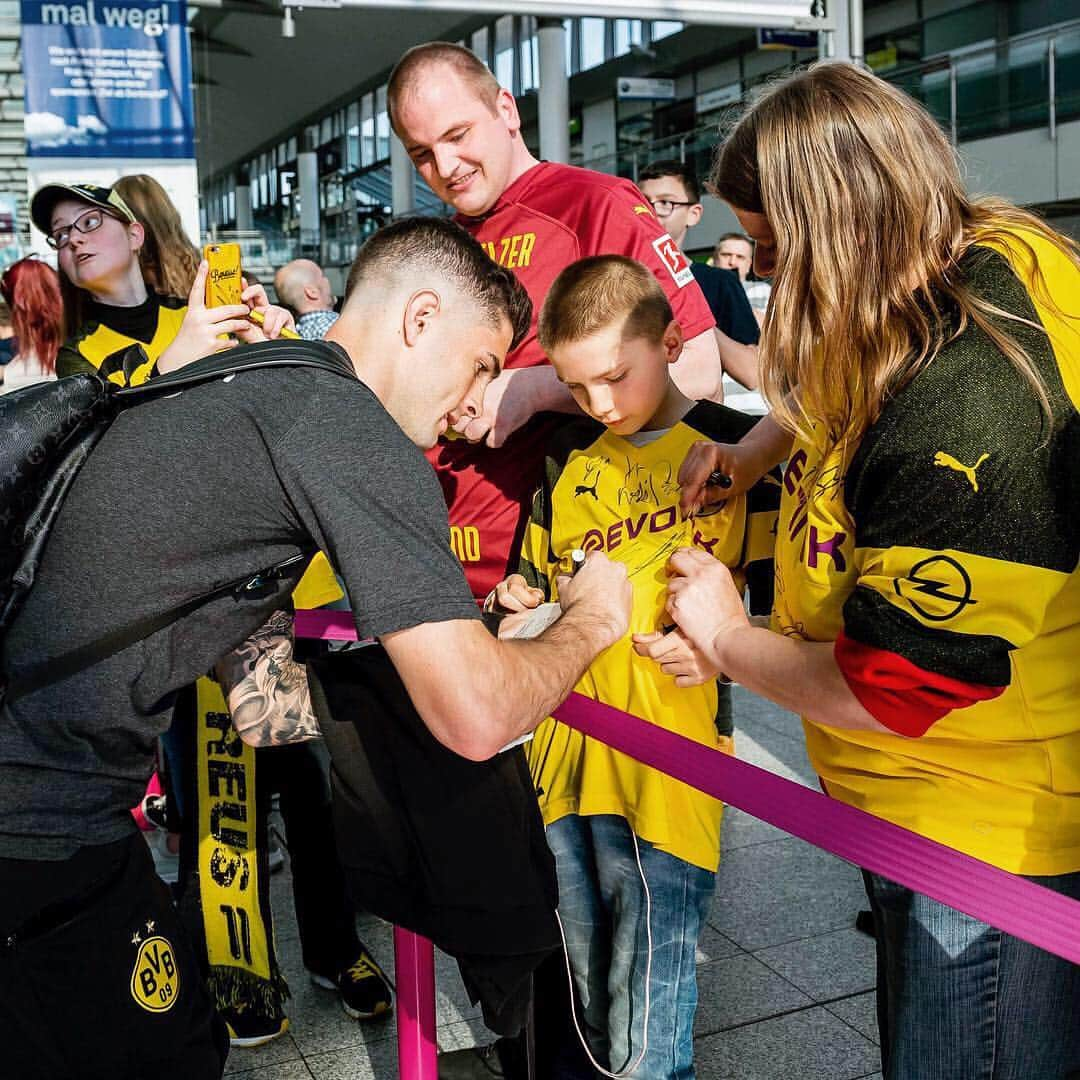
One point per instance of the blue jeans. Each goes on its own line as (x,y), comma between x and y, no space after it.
(960,1000)
(602,907)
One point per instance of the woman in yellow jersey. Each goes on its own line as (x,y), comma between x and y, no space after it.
(923,348)
(108,307)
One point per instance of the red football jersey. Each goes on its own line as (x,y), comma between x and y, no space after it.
(548,218)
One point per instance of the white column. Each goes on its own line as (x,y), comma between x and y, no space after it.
(839,40)
(402,179)
(855,30)
(244,218)
(307,178)
(553,105)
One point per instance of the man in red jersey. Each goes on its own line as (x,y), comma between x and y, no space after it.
(463,132)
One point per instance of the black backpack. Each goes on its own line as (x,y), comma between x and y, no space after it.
(49,429)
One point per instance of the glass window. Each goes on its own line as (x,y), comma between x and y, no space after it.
(968,26)
(291,155)
(592,43)
(568,25)
(326,130)
(382,126)
(663,28)
(530,54)
(352,137)
(504,51)
(480,43)
(367,130)
(627,33)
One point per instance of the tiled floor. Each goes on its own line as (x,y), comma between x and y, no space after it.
(786,982)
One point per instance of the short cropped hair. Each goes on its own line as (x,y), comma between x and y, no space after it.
(735,236)
(657,170)
(417,248)
(415,64)
(601,291)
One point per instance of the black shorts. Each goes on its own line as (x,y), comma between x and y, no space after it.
(97,979)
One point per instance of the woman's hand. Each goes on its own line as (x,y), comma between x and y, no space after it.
(202,329)
(703,600)
(677,656)
(705,465)
(274,318)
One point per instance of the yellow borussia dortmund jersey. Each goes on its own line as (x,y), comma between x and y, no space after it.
(948,541)
(101,348)
(603,492)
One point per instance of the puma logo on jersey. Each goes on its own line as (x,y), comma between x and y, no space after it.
(592,472)
(947,461)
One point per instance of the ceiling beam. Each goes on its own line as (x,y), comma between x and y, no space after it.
(793,14)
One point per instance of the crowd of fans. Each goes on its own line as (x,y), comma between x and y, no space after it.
(604,404)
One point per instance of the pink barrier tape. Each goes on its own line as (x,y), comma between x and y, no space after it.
(325,625)
(1019,907)
(414,971)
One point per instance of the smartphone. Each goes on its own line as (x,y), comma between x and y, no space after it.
(223,284)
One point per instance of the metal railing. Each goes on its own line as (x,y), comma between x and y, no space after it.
(1031,80)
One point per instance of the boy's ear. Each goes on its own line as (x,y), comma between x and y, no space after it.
(693,214)
(672,341)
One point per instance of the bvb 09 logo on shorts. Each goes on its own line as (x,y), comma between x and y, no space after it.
(155,981)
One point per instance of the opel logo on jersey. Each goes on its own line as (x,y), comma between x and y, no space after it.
(155,980)
(938,588)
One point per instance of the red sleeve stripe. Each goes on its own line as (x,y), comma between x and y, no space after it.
(905,698)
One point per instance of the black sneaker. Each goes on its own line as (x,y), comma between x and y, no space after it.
(365,991)
(250,1027)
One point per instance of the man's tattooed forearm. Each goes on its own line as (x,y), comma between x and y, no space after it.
(266,689)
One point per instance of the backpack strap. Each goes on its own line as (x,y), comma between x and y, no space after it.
(266,354)
(71,663)
(293,353)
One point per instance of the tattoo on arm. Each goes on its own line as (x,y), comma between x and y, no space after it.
(266,689)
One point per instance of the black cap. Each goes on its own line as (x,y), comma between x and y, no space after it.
(46,198)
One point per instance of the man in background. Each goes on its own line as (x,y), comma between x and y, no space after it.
(735,251)
(674,193)
(303,287)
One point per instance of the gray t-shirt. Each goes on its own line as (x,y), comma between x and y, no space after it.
(183,494)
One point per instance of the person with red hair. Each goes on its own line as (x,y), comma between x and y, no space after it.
(31,290)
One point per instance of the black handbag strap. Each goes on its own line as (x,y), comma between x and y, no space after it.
(70,663)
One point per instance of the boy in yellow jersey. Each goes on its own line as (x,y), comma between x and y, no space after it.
(636,851)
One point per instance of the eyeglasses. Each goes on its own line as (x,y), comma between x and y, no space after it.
(666,207)
(86,222)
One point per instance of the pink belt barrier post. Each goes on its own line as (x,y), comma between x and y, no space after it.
(414,967)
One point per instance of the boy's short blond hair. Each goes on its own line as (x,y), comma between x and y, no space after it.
(601,291)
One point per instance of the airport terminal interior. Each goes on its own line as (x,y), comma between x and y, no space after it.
(295,158)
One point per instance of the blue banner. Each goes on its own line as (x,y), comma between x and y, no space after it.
(107,79)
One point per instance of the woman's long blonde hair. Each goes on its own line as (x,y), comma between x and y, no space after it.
(865,198)
(168,258)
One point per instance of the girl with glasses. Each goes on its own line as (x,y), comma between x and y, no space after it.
(114,320)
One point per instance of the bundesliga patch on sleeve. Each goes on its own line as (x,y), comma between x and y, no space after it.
(678,265)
